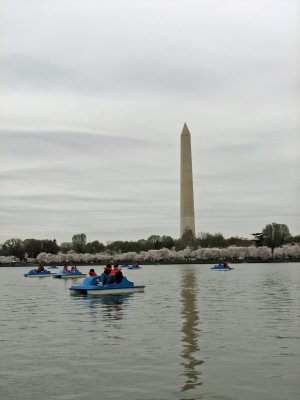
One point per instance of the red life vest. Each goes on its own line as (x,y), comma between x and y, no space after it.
(114,271)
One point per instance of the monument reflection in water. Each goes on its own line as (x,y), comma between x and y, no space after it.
(190,332)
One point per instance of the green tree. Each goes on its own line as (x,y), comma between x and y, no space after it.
(32,247)
(295,239)
(218,240)
(203,239)
(142,244)
(66,246)
(206,240)
(94,247)
(167,242)
(238,241)
(274,235)
(13,247)
(49,246)
(258,238)
(153,242)
(79,242)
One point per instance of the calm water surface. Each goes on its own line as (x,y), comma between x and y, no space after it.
(193,334)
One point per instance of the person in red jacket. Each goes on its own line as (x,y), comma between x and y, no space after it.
(92,272)
(117,273)
(225,264)
(40,268)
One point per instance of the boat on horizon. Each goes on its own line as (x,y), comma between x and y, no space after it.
(132,266)
(222,267)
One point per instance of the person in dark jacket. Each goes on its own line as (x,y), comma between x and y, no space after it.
(117,272)
(106,274)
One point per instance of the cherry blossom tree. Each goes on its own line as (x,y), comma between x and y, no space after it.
(278,252)
(8,259)
(252,252)
(264,253)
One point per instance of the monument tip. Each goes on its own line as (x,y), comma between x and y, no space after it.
(185,130)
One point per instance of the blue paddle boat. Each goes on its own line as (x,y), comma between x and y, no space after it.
(68,274)
(221,267)
(34,273)
(92,285)
(133,266)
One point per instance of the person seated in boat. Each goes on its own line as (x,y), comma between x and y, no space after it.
(116,275)
(66,268)
(225,265)
(92,272)
(74,268)
(105,274)
(40,268)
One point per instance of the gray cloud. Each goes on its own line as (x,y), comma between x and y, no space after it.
(93,100)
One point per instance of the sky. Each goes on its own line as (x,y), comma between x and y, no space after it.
(93,98)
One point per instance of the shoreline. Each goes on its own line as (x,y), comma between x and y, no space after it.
(200,262)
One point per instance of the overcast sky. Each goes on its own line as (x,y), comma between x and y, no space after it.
(94,95)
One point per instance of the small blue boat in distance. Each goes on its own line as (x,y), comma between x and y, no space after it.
(68,274)
(132,266)
(92,285)
(222,267)
(34,273)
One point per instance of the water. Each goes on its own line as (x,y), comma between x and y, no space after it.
(193,334)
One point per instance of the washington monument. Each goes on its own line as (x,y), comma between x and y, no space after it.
(187,214)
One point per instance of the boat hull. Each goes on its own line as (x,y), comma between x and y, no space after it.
(95,292)
(103,292)
(218,268)
(68,276)
(91,286)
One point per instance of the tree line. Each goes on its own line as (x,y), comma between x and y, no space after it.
(272,235)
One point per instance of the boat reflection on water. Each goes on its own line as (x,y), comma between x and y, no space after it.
(111,306)
(190,317)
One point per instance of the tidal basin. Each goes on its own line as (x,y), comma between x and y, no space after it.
(193,334)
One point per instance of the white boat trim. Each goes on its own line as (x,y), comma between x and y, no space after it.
(102,292)
(72,276)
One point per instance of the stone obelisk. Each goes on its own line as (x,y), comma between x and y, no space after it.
(187,214)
